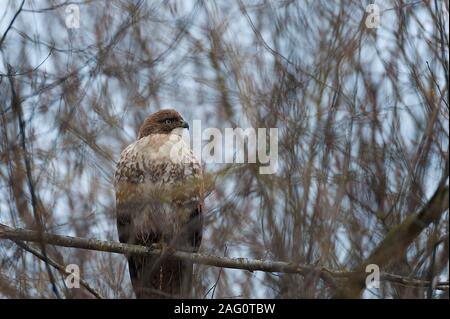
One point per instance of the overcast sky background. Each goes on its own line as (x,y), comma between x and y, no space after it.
(179,91)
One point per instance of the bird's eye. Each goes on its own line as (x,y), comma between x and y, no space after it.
(168,121)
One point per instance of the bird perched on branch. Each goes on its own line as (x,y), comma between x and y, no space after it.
(159,199)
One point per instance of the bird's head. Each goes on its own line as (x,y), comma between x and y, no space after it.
(162,122)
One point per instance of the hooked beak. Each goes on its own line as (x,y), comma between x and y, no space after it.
(184,124)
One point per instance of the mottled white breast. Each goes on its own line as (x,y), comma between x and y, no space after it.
(158,183)
(159,158)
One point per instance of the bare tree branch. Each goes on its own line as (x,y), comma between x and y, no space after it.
(398,240)
(223,262)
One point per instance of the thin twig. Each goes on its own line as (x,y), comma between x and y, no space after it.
(17,106)
(11,24)
(57,266)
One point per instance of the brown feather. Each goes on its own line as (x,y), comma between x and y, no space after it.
(159,200)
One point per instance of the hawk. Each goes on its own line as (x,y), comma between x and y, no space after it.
(159,199)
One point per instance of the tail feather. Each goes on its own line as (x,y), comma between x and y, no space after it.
(155,278)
